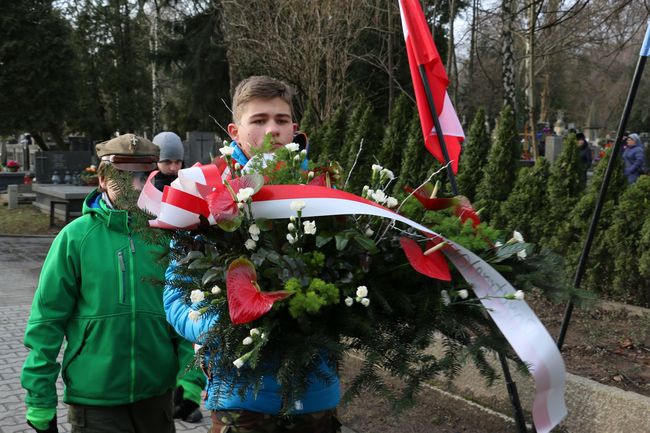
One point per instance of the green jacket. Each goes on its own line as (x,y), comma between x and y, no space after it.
(97,290)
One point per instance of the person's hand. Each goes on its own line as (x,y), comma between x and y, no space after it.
(182,407)
(51,428)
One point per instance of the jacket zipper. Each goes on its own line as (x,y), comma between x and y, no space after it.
(120,258)
(133,329)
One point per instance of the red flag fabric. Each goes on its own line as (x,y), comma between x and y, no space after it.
(422,51)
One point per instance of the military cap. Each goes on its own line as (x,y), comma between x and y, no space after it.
(129,152)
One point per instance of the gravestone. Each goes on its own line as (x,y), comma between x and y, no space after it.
(74,161)
(199,145)
(553,147)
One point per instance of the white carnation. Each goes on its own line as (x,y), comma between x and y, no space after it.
(387,174)
(463,294)
(253,332)
(391,202)
(349,301)
(250,244)
(517,236)
(194,315)
(226,151)
(239,363)
(365,302)
(216,290)
(197,296)
(362,291)
(519,295)
(292,147)
(376,168)
(310,227)
(244,194)
(247,341)
(291,239)
(297,205)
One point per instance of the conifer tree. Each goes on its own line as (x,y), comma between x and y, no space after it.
(364,130)
(500,172)
(474,156)
(600,266)
(525,209)
(310,125)
(416,160)
(565,186)
(356,113)
(623,238)
(395,133)
(331,134)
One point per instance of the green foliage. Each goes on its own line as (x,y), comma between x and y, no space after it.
(500,172)
(38,76)
(474,156)
(330,135)
(600,266)
(624,238)
(565,186)
(391,150)
(526,207)
(310,299)
(362,130)
(417,162)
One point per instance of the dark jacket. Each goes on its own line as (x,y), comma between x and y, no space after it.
(634,159)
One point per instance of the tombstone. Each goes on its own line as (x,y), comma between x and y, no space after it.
(60,161)
(198,146)
(80,143)
(552,147)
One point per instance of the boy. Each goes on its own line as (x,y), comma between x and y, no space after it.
(261,105)
(170,160)
(96,290)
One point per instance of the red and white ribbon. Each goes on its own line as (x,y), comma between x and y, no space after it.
(182,204)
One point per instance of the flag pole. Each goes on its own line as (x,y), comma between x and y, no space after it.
(436,123)
(511,386)
(582,264)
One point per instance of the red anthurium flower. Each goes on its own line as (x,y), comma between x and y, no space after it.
(423,194)
(222,203)
(465,211)
(433,265)
(245,300)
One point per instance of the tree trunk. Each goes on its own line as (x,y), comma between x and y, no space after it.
(391,83)
(156,96)
(507,45)
(532,20)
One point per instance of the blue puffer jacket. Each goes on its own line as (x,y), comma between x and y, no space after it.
(320,396)
(634,158)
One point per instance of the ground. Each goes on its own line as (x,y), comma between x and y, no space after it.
(609,343)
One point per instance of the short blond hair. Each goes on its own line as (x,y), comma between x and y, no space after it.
(260,87)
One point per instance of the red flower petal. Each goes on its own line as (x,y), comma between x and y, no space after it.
(221,205)
(433,265)
(245,300)
(429,203)
(465,211)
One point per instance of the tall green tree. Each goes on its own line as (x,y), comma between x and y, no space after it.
(395,133)
(38,80)
(362,137)
(416,160)
(331,134)
(565,186)
(500,172)
(526,206)
(474,156)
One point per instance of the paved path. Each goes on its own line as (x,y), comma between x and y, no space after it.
(20,266)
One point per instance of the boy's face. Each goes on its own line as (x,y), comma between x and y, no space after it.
(260,117)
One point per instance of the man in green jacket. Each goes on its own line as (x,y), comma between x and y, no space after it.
(97,290)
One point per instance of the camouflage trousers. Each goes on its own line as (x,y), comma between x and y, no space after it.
(242,421)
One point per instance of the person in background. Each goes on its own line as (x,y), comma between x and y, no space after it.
(97,291)
(584,150)
(634,158)
(170,160)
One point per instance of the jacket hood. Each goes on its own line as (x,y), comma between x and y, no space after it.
(636,138)
(94,205)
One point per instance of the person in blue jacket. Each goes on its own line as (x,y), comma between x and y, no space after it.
(261,106)
(634,158)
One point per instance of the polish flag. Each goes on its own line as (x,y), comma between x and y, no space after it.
(422,51)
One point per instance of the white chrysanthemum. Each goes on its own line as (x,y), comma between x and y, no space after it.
(254,230)
(379,196)
(291,239)
(250,244)
(444,296)
(197,296)
(365,302)
(517,236)
(253,332)
(310,227)
(297,205)
(463,294)
(391,202)
(349,301)
(226,150)
(387,174)
(244,194)
(194,315)
(519,295)
(239,363)
(376,168)
(247,341)
(292,147)
(362,291)
(215,290)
